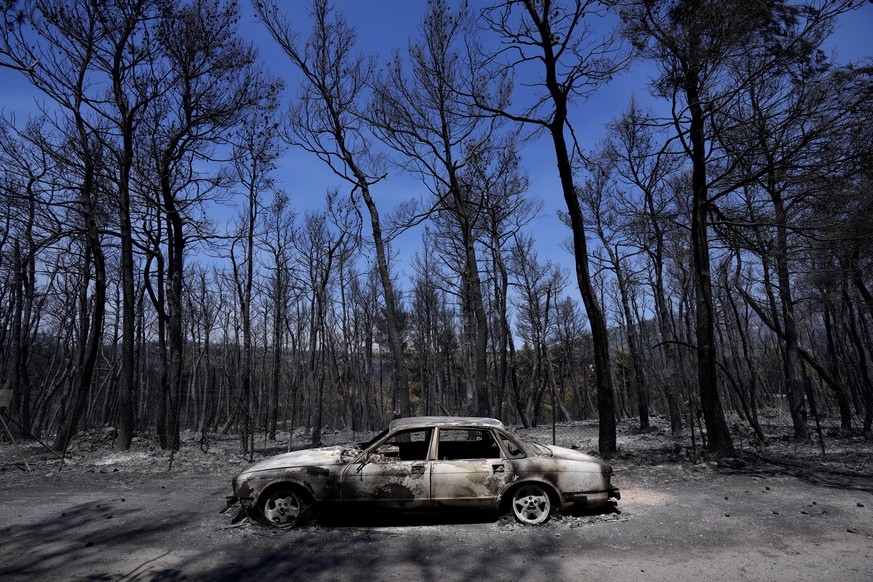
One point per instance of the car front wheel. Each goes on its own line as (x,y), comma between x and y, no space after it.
(284,508)
(531,504)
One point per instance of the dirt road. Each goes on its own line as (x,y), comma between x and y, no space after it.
(677,522)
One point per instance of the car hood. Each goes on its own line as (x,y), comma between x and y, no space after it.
(306,457)
(570,454)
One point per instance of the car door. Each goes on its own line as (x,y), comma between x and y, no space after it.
(393,474)
(469,470)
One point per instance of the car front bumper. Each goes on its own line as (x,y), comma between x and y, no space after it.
(234,508)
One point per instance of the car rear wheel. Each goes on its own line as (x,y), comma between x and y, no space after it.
(531,504)
(284,508)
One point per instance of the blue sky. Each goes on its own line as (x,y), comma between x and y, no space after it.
(390,24)
(385,25)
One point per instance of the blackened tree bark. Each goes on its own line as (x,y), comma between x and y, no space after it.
(254,159)
(498,181)
(277,239)
(690,40)
(538,284)
(323,238)
(719,438)
(26,228)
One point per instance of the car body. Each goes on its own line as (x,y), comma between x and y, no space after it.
(426,464)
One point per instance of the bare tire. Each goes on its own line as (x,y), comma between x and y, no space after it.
(531,504)
(284,508)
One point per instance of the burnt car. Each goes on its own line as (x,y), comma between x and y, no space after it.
(425,464)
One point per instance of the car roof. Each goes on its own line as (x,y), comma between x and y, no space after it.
(429,421)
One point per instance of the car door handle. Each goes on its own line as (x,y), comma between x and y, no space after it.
(499,468)
(418,469)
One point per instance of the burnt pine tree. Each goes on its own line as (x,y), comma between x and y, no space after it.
(696,45)
(601,199)
(54,44)
(210,83)
(644,164)
(327,121)
(571,61)
(418,112)
(124,57)
(254,158)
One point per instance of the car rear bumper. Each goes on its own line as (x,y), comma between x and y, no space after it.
(590,498)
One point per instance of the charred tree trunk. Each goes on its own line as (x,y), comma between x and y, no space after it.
(92,337)
(719,438)
(599,332)
(843,400)
(395,343)
(175,333)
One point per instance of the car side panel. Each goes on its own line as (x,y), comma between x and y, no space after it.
(470,483)
(321,483)
(392,484)
(576,482)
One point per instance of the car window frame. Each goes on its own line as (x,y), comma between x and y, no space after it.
(376,442)
(486,429)
(524,446)
(517,441)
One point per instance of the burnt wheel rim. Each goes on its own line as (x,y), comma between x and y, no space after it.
(531,505)
(282,508)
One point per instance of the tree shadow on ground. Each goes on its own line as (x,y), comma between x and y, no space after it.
(76,540)
(379,552)
(821,473)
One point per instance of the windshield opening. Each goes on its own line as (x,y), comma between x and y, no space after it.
(372,441)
